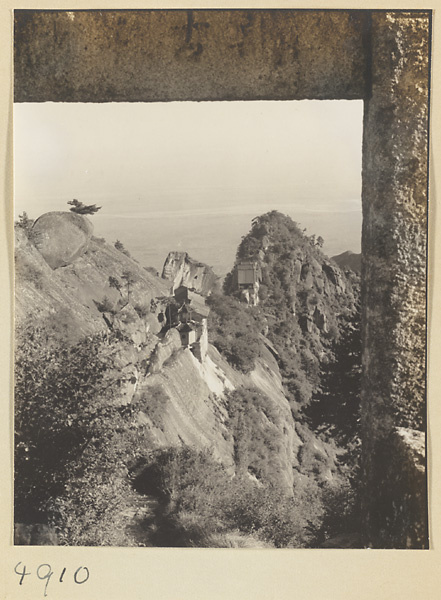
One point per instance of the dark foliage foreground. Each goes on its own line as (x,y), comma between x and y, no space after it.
(76,448)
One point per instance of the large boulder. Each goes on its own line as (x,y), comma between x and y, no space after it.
(61,237)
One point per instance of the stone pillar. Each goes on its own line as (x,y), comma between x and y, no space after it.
(394,273)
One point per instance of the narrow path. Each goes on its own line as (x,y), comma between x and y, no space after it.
(152,527)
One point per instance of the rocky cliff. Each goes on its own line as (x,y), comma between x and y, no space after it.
(348,260)
(304,298)
(68,297)
(180,269)
(244,417)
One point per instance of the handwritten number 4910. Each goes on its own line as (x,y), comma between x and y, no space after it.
(44,573)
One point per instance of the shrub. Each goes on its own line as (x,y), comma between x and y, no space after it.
(152,271)
(26,271)
(271,515)
(120,246)
(342,510)
(205,507)
(153,402)
(70,430)
(142,310)
(114,283)
(256,425)
(106,305)
(234,330)
(25,223)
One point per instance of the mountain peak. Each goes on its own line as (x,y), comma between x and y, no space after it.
(348,260)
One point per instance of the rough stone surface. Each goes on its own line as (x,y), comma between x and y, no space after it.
(164,350)
(37,534)
(61,237)
(181,269)
(73,293)
(154,55)
(397,515)
(394,262)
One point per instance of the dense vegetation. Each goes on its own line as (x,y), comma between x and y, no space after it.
(73,442)
(320,366)
(76,449)
(202,505)
(336,406)
(234,330)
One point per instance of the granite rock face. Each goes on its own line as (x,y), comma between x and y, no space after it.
(398,497)
(61,237)
(180,269)
(165,349)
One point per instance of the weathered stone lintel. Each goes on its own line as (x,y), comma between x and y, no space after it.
(160,56)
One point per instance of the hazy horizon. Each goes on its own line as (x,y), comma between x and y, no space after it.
(190,176)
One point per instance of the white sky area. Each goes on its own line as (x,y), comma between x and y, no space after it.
(196,171)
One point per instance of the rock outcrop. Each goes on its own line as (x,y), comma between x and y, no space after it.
(78,300)
(194,409)
(180,269)
(348,260)
(61,237)
(304,295)
(165,350)
(68,299)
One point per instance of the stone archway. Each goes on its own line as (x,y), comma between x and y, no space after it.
(381,57)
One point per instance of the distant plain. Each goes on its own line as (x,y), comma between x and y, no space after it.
(212,236)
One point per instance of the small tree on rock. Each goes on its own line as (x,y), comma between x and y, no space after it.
(121,248)
(24,222)
(130,278)
(114,283)
(83,209)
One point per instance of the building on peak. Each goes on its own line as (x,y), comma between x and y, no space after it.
(247,277)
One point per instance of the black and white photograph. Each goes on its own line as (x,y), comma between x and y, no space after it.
(220,246)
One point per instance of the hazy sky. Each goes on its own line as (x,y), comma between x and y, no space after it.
(146,161)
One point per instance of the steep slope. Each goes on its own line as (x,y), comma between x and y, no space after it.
(239,402)
(348,260)
(68,297)
(302,295)
(194,410)
(178,400)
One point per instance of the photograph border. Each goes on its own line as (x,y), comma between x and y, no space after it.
(409,579)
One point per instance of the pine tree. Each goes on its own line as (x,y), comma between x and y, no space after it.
(83,209)
(24,222)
